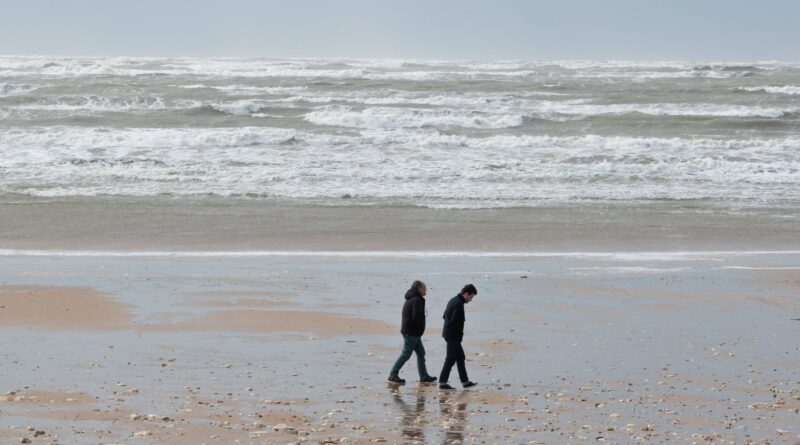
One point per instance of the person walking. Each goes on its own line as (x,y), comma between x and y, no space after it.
(453,333)
(412,328)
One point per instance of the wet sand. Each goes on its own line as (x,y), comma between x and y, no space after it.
(228,224)
(628,348)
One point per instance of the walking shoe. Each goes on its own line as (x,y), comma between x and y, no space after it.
(469,384)
(428,379)
(445,386)
(397,380)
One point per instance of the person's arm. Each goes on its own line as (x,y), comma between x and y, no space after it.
(418,314)
(450,313)
(459,318)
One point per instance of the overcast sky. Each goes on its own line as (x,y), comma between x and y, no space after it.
(426,29)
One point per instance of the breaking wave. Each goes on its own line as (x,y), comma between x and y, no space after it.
(442,133)
(9,89)
(402,165)
(791,90)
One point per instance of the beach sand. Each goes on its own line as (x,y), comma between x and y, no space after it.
(215,251)
(567,348)
(231,224)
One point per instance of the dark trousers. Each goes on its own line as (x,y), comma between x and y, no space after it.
(455,356)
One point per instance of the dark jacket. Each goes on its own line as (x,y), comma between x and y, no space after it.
(413,314)
(454,319)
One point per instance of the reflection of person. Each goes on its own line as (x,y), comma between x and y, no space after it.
(412,329)
(412,428)
(453,334)
(454,415)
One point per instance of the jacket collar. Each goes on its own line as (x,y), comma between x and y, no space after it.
(412,293)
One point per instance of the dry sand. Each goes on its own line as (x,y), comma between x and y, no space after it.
(46,307)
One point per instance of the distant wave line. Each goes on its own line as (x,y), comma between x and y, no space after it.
(612,255)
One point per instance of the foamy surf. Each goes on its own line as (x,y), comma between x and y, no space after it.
(434,133)
(791,90)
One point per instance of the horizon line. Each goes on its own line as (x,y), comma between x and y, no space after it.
(411,58)
(621,255)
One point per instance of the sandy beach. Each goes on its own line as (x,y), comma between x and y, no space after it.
(567,348)
(215,250)
(219,219)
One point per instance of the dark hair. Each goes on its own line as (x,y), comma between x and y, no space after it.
(417,284)
(469,289)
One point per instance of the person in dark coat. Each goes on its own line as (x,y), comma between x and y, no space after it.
(453,333)
(412,328)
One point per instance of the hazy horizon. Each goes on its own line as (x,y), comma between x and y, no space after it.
(414,59)
(445,30)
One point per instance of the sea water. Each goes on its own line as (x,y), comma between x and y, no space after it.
(443,134)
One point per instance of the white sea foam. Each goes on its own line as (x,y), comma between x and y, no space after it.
(530,100)
(436,133)
(363,69)
(498,104)
(236,90)
(406,164)
(75,140)
(105,104)
(385,117)
(640,75)
(10,89)
(241,107)
(247,89)
(569,146)
(663,109)
(791,90)
(475,111)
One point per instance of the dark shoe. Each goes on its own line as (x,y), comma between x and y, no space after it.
(445,386)
(469,384)
(428,379)
(397,380)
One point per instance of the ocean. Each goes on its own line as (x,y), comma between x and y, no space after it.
(439,134)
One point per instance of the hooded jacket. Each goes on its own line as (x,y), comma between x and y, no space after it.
(454,319)
(413,314)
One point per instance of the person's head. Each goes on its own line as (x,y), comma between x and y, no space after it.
(420,287)
(469,292)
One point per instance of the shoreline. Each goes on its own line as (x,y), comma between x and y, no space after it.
(621,254)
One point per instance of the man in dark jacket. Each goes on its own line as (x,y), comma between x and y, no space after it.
(412,328)
(453,334)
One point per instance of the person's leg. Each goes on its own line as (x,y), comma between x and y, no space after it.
(449,361)
(409,343)
(461,361)
(419,349)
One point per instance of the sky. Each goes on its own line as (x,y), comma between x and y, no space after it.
(697,30)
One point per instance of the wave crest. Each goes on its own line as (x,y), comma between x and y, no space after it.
(389,118)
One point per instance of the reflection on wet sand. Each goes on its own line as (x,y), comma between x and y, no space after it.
(454,415)
(412,419)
